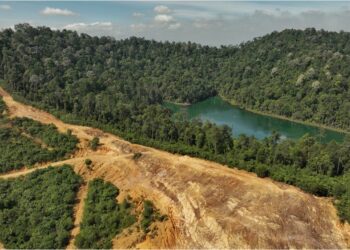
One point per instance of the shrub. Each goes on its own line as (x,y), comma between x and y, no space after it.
(94,143)
(88,162)
(262,171)
(137,156)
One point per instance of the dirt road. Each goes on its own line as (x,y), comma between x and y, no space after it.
(209,205)
(78,215)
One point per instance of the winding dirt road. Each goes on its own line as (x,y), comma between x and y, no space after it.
(208,204)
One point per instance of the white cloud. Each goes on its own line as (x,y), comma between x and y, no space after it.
(48,11)
(194,14)
(163,18)
(138,27)
(174,26)
(162,9)
(137,14)
(5,7)
(95,28)
(199,24)
(87,26)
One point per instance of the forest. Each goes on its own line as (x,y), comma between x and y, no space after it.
(103,217)
(298,74)
(36,210)
(24,142)
(120,86)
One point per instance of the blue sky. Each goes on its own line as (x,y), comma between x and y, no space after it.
(210,22)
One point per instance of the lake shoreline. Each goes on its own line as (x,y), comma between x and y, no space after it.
(182,104)
(316,125)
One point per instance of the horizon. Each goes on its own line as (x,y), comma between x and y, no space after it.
(212,23)
(164,41)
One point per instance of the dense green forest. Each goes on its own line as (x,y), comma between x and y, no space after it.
(36,210)
(103,217)
(299,74)
(120,86)
(24,142)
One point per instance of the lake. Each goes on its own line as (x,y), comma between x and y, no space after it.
(218,111)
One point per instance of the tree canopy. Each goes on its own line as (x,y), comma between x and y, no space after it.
(36,210)
(24,142)
(103,217)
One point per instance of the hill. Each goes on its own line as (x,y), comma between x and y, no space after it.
(298,74)
(293,73)
(208,204)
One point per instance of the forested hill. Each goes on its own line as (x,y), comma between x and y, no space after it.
(52,61)
(300,74)
(304,75)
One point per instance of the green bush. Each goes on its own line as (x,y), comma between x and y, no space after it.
(88,162)
(94,143)
(149,215)
(262,171)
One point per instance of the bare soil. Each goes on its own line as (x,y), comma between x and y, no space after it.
(209,205)
(78,214)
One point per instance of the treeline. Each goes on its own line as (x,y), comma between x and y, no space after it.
(119,86)
(103,217)
(36,211)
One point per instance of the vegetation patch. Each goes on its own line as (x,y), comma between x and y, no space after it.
(137,155)
(103,217)
(88,163)
(24,142)
(149,215)
(94,143)
(36,210)
(2,107)
(60,143)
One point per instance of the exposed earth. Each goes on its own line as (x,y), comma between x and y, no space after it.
(209,205)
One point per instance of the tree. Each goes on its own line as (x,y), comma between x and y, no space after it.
(95,142)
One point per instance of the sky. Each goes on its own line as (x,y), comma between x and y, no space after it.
(207,22)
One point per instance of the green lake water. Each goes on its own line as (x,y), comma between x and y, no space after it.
(218,111)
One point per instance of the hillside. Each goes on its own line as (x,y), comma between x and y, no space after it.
(303,75)
(293,73)
(208,204)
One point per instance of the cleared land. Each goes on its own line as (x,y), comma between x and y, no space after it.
(208,205)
